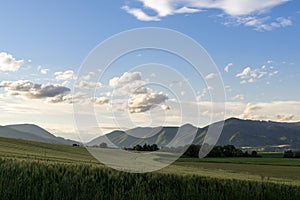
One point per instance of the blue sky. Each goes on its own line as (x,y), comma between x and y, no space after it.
(257,40)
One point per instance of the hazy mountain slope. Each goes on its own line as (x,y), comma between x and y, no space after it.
(161,136)
(33,133)
(235,131)
(259,133)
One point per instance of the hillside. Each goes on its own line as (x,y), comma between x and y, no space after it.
(259,133)
(33,133)
(240,133)
(237,132)
(161,136)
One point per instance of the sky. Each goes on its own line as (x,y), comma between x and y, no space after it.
(43,45)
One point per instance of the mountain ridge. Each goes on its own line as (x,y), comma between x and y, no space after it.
(238,132)
(32,132)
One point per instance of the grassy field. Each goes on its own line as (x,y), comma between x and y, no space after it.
(28,150)
(250,161)
(270,170)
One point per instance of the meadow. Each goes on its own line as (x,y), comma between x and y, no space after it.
(32,170)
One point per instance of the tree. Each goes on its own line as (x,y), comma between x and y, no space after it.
(254,154)
(297,154)
(138,147)
(146,147)
(192,151)
(154,147)
(288,154)
(103,145)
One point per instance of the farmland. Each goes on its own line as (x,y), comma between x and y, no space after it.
(29,169)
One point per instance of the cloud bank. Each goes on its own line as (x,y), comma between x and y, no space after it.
(30,90)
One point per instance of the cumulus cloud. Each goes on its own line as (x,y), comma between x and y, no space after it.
(126,78)
(87,77)
(88,85)
(32,90)
(237,10)
(249,110)
(128,83)
(67,98)
(100,100)
(8,63)
(141,99)
(142,102)
(66,75)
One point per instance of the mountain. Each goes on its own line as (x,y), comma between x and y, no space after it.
(33,133)
(259,133)
(161,136)
(237,132)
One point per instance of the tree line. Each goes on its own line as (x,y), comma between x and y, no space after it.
(219,151)
(193,150)
(291,154)
(145,147)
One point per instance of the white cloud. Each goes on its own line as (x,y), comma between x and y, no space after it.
(87,77)
(210,76)
(67,98)
(237,10)
(186,10)
(143,102)
(285,111)
(251,80)
(238,97)
(139,14)
(8,63)
(126,78)
(141,99)
(42,70)
(127,89)
(165,107)
(63,76)
(128,83)
(250,110)
(244,73)
(226,69)
(249,75)
(100,100)
(32,90)
(265,23)
(88,85)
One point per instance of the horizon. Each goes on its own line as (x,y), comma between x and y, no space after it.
(112,130)
(253,47)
